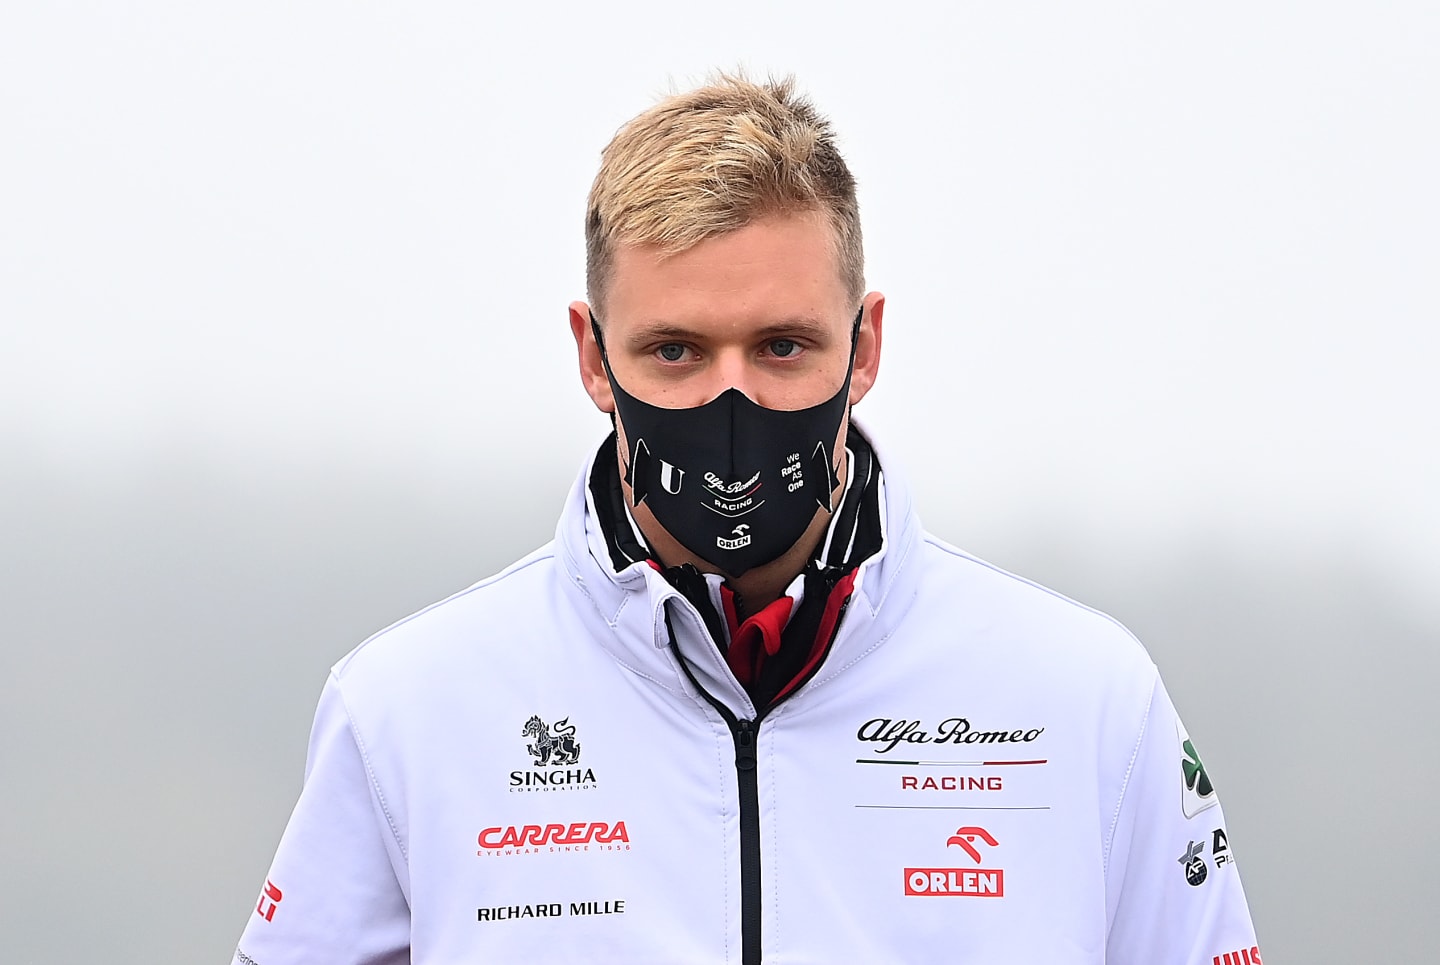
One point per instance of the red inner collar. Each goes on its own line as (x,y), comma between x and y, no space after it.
(756,638)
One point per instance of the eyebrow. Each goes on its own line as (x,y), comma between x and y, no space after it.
(803,327)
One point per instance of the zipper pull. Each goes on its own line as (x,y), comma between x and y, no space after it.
(745,745)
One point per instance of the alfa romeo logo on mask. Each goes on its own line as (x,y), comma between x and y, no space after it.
(732,500)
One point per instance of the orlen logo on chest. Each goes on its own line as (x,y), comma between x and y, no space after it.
(959,882)
(955,882)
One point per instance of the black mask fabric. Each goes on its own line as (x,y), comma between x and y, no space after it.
(736,483)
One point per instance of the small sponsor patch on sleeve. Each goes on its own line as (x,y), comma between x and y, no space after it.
(1196,791)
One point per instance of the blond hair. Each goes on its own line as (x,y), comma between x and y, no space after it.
(714,159)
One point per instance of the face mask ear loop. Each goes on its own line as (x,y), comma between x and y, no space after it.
(600,340)
(854,344)
(605,361)
(830,475)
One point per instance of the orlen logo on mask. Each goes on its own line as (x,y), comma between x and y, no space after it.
(742,538)
(960,882)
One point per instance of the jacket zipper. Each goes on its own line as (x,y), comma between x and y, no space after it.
(744,732)
(749,783)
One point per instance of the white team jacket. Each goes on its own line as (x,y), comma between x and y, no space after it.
(981,771)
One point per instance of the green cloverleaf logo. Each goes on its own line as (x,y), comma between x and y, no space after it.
(1195,777)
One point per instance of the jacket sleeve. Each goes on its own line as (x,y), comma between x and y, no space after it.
(335,894)
(1173,894)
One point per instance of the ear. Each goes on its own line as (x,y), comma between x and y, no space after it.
(592,369)
(867,346)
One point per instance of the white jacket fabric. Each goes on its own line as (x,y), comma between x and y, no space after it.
(981,771)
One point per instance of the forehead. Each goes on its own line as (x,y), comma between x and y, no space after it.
(779,266)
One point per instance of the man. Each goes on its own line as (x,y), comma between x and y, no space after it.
(743,708)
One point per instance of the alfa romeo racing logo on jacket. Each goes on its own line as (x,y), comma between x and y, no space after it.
(887,733)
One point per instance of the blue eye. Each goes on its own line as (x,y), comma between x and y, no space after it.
(672,351)
(783,347)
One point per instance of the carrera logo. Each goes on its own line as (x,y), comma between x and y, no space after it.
(960,882)
(580,832)
(886,733)
(533,838)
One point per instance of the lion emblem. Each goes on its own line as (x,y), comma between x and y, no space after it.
(551,747)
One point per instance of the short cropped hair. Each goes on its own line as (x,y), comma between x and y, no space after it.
(714,159)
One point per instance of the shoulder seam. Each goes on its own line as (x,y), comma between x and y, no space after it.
(1129,771)
(370,771)
(949,550)
(539,556)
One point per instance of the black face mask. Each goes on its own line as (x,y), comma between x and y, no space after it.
(736,483)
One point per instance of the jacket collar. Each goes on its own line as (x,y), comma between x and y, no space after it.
(632,600)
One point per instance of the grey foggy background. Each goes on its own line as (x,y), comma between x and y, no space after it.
(283,357)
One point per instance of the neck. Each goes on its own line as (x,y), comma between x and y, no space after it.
(756,588)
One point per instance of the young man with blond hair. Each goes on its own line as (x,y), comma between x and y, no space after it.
(743,708)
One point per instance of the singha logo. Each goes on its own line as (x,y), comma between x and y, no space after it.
(551,748)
